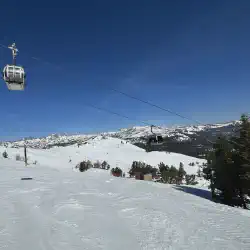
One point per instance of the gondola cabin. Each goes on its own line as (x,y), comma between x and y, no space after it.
(155,140)
(14,77)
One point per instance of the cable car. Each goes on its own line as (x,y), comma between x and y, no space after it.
(13,75)
(155,139)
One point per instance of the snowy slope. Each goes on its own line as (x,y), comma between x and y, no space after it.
(62,209)
(110,149)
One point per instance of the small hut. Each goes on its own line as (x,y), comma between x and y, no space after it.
(147,177)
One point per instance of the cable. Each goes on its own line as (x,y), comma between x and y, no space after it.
(117,114)
(45,62)
(164,109)
(156,106)
(36,58)
(2,45)
(169,111)
(123,116)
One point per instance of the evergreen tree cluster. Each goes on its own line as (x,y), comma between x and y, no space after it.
(142,167)
(84,166)
(191,164)
(105,165)
(228,167)
(116,171)
(172,175)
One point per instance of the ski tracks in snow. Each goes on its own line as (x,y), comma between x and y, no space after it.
(54,212)
(92,210)
(165,218)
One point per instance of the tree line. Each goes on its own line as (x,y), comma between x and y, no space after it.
(85,165)
(167,174)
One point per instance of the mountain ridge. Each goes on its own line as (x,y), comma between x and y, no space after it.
(180,139)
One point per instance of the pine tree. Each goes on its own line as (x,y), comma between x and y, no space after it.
(164,170)
(5,154)
(181,173)
(104,165)
(173,175)
(83,166)
(242,159)
(220,170)
(163,167)
(228,167)
(223,170)
(165,176)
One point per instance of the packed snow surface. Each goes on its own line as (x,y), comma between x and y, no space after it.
(62,209)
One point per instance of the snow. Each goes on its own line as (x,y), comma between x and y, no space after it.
(110,149)
(62,209)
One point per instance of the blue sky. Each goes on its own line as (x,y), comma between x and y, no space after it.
(192,57)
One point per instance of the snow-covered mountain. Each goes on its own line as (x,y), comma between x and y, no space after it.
(179,133)
(180,139)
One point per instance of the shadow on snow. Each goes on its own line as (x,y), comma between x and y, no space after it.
(206,194)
